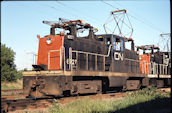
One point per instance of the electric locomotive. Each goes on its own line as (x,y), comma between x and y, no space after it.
(69,64)
(156,64)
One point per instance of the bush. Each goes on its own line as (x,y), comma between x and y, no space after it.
(8,68)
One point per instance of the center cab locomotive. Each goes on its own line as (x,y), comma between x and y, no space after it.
(70,65)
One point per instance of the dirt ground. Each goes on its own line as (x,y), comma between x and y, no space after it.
(110,96)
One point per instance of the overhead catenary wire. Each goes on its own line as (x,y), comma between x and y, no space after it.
(58,9)
(136,18)
(40,11)
(109,4)
(161,40)
(141,20)
(119,19)
(71,13)
(78,13)
(74,10)
(60,2)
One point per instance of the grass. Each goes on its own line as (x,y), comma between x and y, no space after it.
(12,85)
(142,101)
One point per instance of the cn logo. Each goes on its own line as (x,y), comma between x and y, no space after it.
(118,56)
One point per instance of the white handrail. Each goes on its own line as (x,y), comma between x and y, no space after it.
(88,53)
(152,67)
(93,53)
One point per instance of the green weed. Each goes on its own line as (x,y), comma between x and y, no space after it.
(141,101)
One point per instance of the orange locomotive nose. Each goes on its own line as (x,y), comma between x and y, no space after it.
(145,63)
(50,51)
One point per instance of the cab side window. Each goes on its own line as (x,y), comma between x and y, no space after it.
(118,44)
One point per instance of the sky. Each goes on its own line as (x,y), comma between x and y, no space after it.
(21,21)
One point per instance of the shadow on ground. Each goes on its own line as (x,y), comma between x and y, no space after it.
(159,105)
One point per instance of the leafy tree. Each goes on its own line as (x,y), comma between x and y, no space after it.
(8,68)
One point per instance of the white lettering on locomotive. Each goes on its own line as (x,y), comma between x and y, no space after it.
(72,61)
(118,56)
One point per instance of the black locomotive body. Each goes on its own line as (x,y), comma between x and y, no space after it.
(80,65)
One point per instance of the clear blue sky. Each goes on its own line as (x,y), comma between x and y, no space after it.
(21,21)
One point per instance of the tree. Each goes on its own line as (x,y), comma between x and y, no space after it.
(8,68)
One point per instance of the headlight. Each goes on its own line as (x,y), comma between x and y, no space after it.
(48,40)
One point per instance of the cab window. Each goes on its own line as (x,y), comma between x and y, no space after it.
(118,44)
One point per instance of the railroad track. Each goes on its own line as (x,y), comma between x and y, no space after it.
(21,104)
(12,92)
(30,103)
(13,97)
(8,105)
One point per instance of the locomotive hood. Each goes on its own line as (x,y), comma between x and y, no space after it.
(51,51)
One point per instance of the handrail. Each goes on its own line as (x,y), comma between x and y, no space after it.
(64,60)
(88,53)
(151,68)
(94,53)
